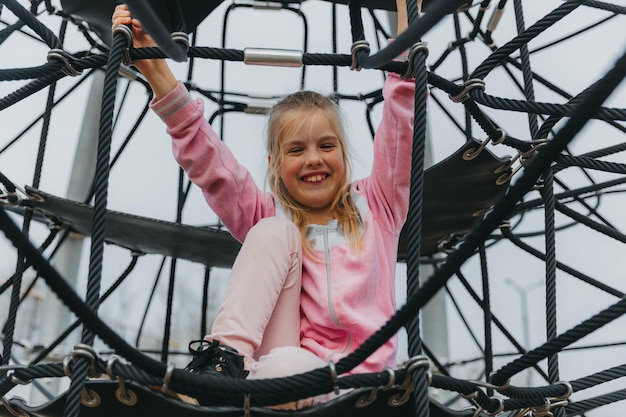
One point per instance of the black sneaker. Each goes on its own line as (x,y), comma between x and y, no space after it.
(209,357)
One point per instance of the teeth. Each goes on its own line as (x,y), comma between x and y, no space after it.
(314,178)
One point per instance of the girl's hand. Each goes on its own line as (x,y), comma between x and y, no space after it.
(156,71)
(121,16)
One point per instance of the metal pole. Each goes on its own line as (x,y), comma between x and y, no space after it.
(523,295)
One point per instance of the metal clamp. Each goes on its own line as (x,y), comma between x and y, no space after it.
(12,410)
(523,157)
(413,50)
(89,353)
(356,47)
(128,34)
(366,400)
(181,38)
(17,196)
(66,59)
(334,376)
(468,86)
(272,57)
(407,385)
(167,377)
(500,408)
(123,395)
(246,405)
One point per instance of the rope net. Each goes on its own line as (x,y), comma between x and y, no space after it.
(521,315)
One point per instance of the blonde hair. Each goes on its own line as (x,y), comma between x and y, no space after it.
(285,117)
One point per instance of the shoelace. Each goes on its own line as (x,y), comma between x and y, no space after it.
(208,353)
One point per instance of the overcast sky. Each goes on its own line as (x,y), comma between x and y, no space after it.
(145,179)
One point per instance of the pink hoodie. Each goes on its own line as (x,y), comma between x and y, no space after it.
(349,296)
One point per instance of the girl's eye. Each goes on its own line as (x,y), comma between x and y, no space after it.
(328,146)
(292,151)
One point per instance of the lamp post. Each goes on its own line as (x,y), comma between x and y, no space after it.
(523,296)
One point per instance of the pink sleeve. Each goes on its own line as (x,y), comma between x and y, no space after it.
(226,185)
(387,187)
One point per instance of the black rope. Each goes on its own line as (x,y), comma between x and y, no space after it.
(343,58)
(556,344)
(32,22)
(486,306)
(41,355)
(414,217)
(92,299)
(608,231)
(580,407)
(522,39)
(577,274)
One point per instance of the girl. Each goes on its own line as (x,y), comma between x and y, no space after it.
(315,274)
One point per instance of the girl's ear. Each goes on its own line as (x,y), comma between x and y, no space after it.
(269,159)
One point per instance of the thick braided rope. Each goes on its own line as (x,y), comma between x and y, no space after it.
(9,327)
(558,343)
(98,229)
(38,264)
(414,218)
(580,407)
(497,322)
(548,196)
(356,20)
(600,92)
(522,39)
(529,92)
(486,307)
(550,266)
(41,355)
(565,268)
(32,22)
(608,231)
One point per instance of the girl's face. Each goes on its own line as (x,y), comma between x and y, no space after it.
(313,167)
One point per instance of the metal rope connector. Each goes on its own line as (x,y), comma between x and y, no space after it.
(334,377)
(167,377)
(272,57)
(411,366)
(11,409)
(413,50)
(128,34)
(181,38)
(356,47)
(468,86)
(122,393)
(368,399)
(66,59)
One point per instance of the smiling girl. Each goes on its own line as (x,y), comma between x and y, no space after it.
(315,276)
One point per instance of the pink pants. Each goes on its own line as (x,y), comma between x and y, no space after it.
(260,314)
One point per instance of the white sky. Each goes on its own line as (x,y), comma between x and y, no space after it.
(144,181)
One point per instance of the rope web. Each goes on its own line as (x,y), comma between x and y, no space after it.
(531,289)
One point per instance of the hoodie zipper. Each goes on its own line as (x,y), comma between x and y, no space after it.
(329,290)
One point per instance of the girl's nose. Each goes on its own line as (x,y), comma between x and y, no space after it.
(314,158)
